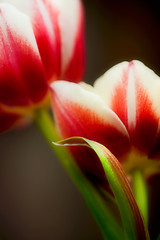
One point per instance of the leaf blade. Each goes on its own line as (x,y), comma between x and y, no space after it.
(134,226)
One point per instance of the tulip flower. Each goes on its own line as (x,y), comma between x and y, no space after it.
(121,111)
(40,42)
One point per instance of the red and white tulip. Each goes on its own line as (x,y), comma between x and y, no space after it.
(121,111)
(40,41)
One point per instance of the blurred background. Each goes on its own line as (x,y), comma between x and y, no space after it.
(38,201)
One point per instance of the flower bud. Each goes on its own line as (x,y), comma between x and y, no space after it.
(40,42)
(121,111)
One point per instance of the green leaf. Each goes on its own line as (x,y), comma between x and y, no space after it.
(133,223)
(102,214)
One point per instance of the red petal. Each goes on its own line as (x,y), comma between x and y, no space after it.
(22,80)
(58,26)
(81,113)
(70,21)
(131,90)
(144,133)
(75,69)
(60,37)
(46,29)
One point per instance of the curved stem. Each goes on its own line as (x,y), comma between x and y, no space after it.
(140,192)
(110,227)
(45,124)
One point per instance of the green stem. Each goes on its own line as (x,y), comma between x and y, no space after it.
(45,124)
(108,224)
(140,192)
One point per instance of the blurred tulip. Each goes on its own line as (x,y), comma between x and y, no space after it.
(40,42)
(121,111)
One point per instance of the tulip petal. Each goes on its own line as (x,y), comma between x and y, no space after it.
(79,112)
(58,26)
(47,34)
(44,20)
(75,68)
(22,80)
(131,91)
(71,29)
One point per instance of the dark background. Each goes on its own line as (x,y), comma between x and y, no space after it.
(38,201)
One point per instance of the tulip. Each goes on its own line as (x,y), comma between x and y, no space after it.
(121,111)
(40,42)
